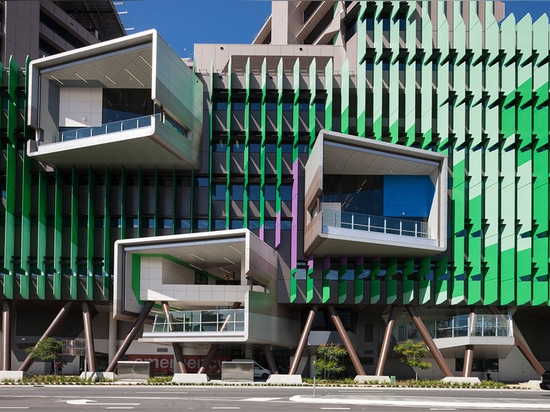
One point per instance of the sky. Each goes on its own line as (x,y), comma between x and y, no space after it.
(182,23)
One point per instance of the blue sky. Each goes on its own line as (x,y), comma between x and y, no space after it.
(182,23)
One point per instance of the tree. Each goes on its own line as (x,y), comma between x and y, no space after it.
(48,349)
(412,354)
(329,359)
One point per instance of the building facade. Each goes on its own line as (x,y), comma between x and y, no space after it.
(363,173)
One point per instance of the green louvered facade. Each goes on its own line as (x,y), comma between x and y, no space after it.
(428,76)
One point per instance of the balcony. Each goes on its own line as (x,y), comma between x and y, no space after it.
(222,323)
(113,127)
(488,333)
(375,224)
(129,102)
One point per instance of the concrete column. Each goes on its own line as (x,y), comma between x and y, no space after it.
(302,342)
(49,331)
(6,336)
(468,361)
(88,336)
(347,342)
(384,350)
(133,332)
(429,342)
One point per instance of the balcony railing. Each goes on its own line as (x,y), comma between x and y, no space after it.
(113,127)
(372,223)
(222,320)
(460,326)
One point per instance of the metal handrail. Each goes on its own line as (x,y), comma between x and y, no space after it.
(373,223)
(222,320)
(112,127)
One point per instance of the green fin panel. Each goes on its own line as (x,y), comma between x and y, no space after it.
(424,282)
(391,281)
(375,290)
(408,285)
(441,281)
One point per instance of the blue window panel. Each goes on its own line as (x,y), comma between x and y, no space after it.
(409,196)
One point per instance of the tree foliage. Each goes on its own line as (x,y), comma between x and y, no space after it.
(413,353)
(48,349)
(330,360)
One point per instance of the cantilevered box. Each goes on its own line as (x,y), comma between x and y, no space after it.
(129,102)
(370,198)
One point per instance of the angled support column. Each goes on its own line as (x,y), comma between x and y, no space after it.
(468,361)
(88,336)
(384,350)
(526,350)
(133,332)
(302,342)
(177,347)
(6,336)
(347,342)
(214,347)
(270,360)
(429,342)
(209,356)
(49,331)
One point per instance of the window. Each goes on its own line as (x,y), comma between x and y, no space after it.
(218,191)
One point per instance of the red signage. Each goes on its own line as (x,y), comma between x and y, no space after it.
(194,362)
(164,364)
(161,364)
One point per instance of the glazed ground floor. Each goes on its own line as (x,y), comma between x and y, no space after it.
(476,340)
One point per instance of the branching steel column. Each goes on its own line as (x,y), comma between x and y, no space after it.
(270,360)
(49,331)
(177,347)
(6,336)
(211,352)
(386,342)
(347,342)
(131,335)
(303,340)
(215,346)
(89,337)
(526,351)
(429,342)
(468,361)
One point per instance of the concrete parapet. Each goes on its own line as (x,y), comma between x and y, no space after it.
(11,375)
(372,378)
(283,379)
(96,376)
(190,378)
(461,379)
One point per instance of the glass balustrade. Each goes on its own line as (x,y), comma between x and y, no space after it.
(113,127)
(372,223)
(222,320)
(459,326)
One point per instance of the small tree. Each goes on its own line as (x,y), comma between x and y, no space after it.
(48,349)
(412,354)
(330,360)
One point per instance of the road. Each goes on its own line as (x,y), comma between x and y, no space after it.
(265,398)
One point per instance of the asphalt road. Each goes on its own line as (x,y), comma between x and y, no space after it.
(265,398)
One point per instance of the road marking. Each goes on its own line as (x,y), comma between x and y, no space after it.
(119,407)
(335,409)
(14,407)
(261,399)
(96,403)
(226,407)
